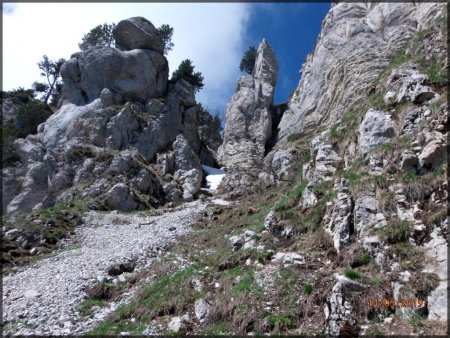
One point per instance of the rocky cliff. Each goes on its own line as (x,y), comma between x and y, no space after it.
(356,44)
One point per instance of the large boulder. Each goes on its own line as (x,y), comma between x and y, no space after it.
(138,74)
(137,33)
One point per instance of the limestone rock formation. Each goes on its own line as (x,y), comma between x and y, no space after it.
(249,122)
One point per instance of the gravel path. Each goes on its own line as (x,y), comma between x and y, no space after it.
(41,299)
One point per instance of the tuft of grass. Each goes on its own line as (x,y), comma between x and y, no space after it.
(308,288)
(376,282)
(416,320)
(57,222)
(375,330)
(407,255)
(305,155)
(376,100)
(361,261)
(279,321)
(216,329)
(352,274)
(294,137)
(335,132)
(397,231)
(85,308)
(168,294)
(436,72)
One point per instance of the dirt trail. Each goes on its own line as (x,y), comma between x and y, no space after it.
(41,299)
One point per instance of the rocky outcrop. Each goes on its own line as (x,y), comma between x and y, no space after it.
(249,122)
(406,83)
(355,45)
(137,74)
(107,143)
(135,70)
(283,164)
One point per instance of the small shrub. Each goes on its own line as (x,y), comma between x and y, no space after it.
(352,274)
(29,116)
(305,155)
(100,291)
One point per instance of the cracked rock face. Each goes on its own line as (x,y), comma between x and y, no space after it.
(376,128)
(355,45)
(338,221)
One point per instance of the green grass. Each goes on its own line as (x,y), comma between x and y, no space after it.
(436,72)
(217,328)
(416,320)
(59,221)
(352,274)
(286,201)
(86,306)
(168,294)
(335,133)
(305,155)
(408,256)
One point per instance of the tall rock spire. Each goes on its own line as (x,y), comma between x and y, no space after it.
(249,121)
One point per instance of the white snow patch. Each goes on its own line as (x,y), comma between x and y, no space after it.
(220,201)
(213,177)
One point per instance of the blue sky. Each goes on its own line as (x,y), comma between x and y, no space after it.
(292,30)
(213,35)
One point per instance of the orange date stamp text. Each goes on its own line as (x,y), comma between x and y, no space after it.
(416,303)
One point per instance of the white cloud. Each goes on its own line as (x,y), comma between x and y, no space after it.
(211,35)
